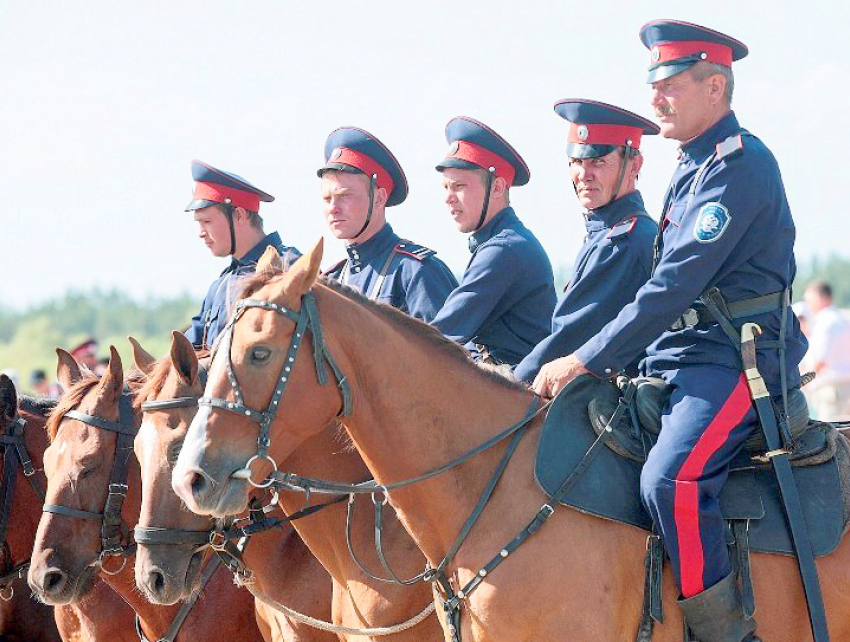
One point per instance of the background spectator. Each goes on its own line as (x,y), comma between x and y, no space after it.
(828,356)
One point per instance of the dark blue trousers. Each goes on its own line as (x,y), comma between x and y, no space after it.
(705,424)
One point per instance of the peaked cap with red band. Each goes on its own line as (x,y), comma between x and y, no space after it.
(214,186)
(351,149)
(675,46)
(476,146)
(597,129)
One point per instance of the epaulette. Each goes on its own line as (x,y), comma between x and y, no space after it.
(730,146)
(336,267)
(623,228)
(418,252)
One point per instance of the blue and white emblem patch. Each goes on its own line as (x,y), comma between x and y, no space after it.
(712,221)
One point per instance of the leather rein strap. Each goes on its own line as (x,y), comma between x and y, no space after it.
(112,528)
(14,454)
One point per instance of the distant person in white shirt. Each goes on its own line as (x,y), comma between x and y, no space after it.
(828,355)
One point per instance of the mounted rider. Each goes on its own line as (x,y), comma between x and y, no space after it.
(726,244)
(360,179)
(226,207)
(603,148)
(506,297)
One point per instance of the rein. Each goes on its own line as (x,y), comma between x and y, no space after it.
(113,531)
(14,454)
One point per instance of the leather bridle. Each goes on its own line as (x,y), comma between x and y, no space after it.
(14,454)
(305,319)
(113,532)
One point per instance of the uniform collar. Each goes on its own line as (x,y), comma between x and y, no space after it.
(611,214)
(367,250)
(700,147)
(504,219)
(256,252)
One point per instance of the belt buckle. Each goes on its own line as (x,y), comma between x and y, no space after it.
(690,317)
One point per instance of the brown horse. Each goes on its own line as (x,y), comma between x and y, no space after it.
(417,402)
(68,552)
(21,617)
(281,564)
(359,601)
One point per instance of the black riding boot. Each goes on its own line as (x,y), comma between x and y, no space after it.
(715,615)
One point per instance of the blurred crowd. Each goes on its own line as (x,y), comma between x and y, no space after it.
(40,385)
(828,331)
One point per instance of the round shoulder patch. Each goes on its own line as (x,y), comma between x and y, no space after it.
(712,221)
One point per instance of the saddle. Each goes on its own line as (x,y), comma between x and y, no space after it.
(609,487)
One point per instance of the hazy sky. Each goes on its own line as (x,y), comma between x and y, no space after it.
(103,105)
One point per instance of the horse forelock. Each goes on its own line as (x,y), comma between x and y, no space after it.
(69,400)
(36,405)
(152,383)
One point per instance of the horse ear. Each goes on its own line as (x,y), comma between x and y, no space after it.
(270,261)
(8,398)
(112,381)
(304,271)
(67,370)
(141,357)
(184,358)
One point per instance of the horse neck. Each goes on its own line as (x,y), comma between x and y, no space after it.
(416,408)
(325,456)
(26,504)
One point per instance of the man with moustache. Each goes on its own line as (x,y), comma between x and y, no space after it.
(504,304)
(226,208)
(360,179)
(603,148)
(726,244)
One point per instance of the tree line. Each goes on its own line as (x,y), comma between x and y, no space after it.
(28,338)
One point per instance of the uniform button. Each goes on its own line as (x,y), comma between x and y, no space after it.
(357,270)
(607,370)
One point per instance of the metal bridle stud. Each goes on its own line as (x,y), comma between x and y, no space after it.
(306,319)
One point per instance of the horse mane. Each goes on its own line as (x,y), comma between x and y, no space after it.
(428,334)
(36,405)
(153,382)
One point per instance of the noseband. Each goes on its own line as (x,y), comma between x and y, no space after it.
(14,453)
(112,530)
(306,319)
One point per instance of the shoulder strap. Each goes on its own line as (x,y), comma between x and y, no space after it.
(729,147)
(418,252)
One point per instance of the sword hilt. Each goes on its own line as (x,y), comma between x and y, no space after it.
(755,382)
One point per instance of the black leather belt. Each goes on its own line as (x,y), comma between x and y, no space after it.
(699,314)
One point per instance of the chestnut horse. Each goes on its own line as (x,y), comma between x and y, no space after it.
(359,601)
(166,572)
(21,617)
(70,544)
(416,401)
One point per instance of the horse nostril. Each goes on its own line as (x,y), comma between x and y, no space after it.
(53,581)
(157,581)
(198,483)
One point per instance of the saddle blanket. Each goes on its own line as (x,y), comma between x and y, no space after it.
(609,488)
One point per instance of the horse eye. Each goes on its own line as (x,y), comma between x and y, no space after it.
(260,354)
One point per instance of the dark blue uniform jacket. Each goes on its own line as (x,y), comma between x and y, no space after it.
(215,310)
(615,260)
(732,229)
(416,281)
(507,294)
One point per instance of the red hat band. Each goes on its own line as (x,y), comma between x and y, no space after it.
(227,195)
(604,134)
(365,164)
(712,51)
(484,158)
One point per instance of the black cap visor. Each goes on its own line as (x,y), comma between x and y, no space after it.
(457,163)
(665,71)
(200,204)
(582,150)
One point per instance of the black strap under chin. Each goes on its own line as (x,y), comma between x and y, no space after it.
(488,184)
(373,181)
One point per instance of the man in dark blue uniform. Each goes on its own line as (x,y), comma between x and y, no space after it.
(360,178)
(226,208)
(603,147)
(727,242)
(504,304)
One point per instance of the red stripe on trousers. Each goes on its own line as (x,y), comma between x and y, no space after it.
(686,493)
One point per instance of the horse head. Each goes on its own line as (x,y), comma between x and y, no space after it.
(74,539)
(170,538)
(257,365)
